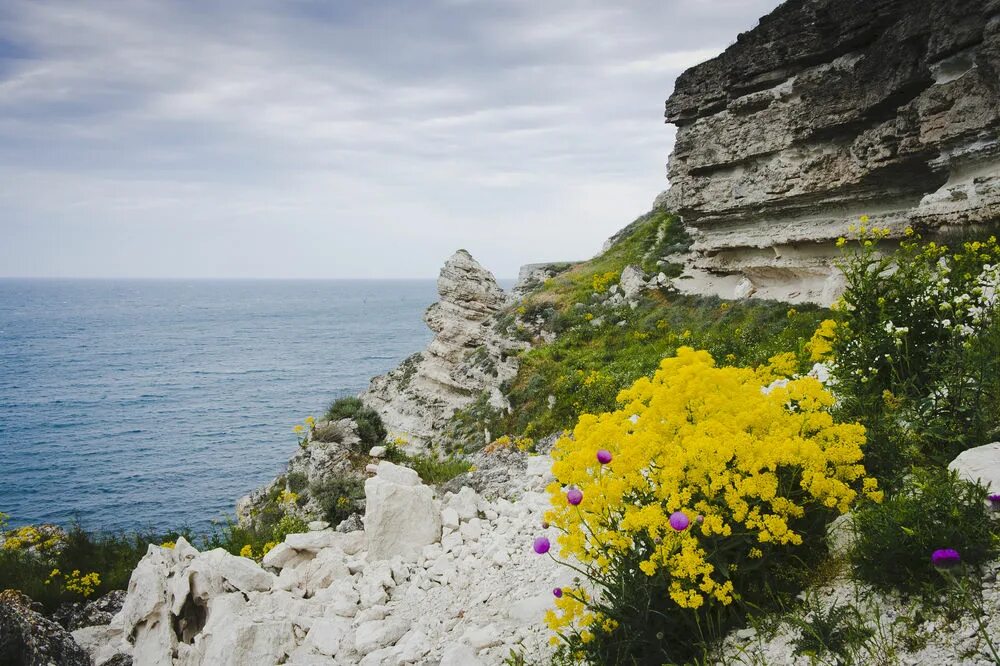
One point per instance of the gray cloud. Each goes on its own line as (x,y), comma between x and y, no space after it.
(318,139)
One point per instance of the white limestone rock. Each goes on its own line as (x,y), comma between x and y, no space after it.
(633,282)
(400,519)
(980,464)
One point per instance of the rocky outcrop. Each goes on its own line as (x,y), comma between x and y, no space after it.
(315,465)
(472,592)
(29,639)
(533,276)
(466,358)
(827,110)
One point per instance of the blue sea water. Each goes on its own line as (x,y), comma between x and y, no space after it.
(132,404)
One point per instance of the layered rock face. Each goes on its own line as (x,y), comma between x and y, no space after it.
(828,110)
(466,357)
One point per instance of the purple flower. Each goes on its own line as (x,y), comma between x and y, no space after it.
(541,545)
(699,519)
(545,525)
(603,456)
(557,593)
(994,501)
(679,521)
(946,558)
(574,496)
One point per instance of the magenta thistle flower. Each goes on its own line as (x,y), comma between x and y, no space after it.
(557,593)
(541,545)
(603,456)
(679,521)
(946,558)
(574,496)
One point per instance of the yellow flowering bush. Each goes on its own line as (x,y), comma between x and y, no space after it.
(82,584)
(712,482)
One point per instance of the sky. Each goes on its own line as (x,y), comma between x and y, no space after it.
(334,139)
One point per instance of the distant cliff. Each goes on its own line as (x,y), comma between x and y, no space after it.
(827,110)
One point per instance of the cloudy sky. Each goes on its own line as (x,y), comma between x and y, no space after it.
(334,138)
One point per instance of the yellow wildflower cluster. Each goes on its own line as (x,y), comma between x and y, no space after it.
(820,346)
(287,497)
(248,552)
(508,443)
(741,465)
(29,536)
(82,584)
(602,281)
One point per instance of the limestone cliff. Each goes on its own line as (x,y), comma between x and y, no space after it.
(827,110)
(466,358)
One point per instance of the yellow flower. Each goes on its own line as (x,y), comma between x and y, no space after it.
(702,440)
(864,219)
(297,428)
(247,551)
(170,545)
(310,420)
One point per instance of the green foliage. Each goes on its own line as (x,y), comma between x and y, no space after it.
(337,497)
(297,481)
(371,430)
(466,428)
(329,432)
(586,366)
(918,350)
(432,469)
(838,631)
(111,555)
(934,509)
(643,243)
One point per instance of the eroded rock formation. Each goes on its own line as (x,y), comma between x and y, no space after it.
(827,110)
(466,357)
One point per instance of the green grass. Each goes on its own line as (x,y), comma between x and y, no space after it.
(432,469)
(586,366)
(112,555)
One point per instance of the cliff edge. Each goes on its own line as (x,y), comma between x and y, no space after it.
(828,110)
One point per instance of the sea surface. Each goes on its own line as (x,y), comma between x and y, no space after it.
(136,404)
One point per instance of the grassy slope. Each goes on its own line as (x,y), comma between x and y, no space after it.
(586,365)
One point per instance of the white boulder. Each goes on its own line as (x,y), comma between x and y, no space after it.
(980,464)
(401,517)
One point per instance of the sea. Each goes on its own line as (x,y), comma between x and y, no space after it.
(155,404)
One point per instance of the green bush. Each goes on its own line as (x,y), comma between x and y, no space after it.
(585,367)
(112,556)
(329,432)
(297,482)
(934,509)
(337,497)
(371,430)
(431,468)
(917,350)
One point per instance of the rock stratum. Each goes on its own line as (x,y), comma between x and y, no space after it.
(828,110)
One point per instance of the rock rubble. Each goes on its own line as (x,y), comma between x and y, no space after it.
(455,581)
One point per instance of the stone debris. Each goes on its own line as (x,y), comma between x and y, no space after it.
(450,580)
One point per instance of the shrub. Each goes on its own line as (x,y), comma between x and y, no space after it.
(336,497)
(917,349)
(371,430)
(715,491)
(330,431)
(83,566)
(585,367)
(933,510)
(431,468)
